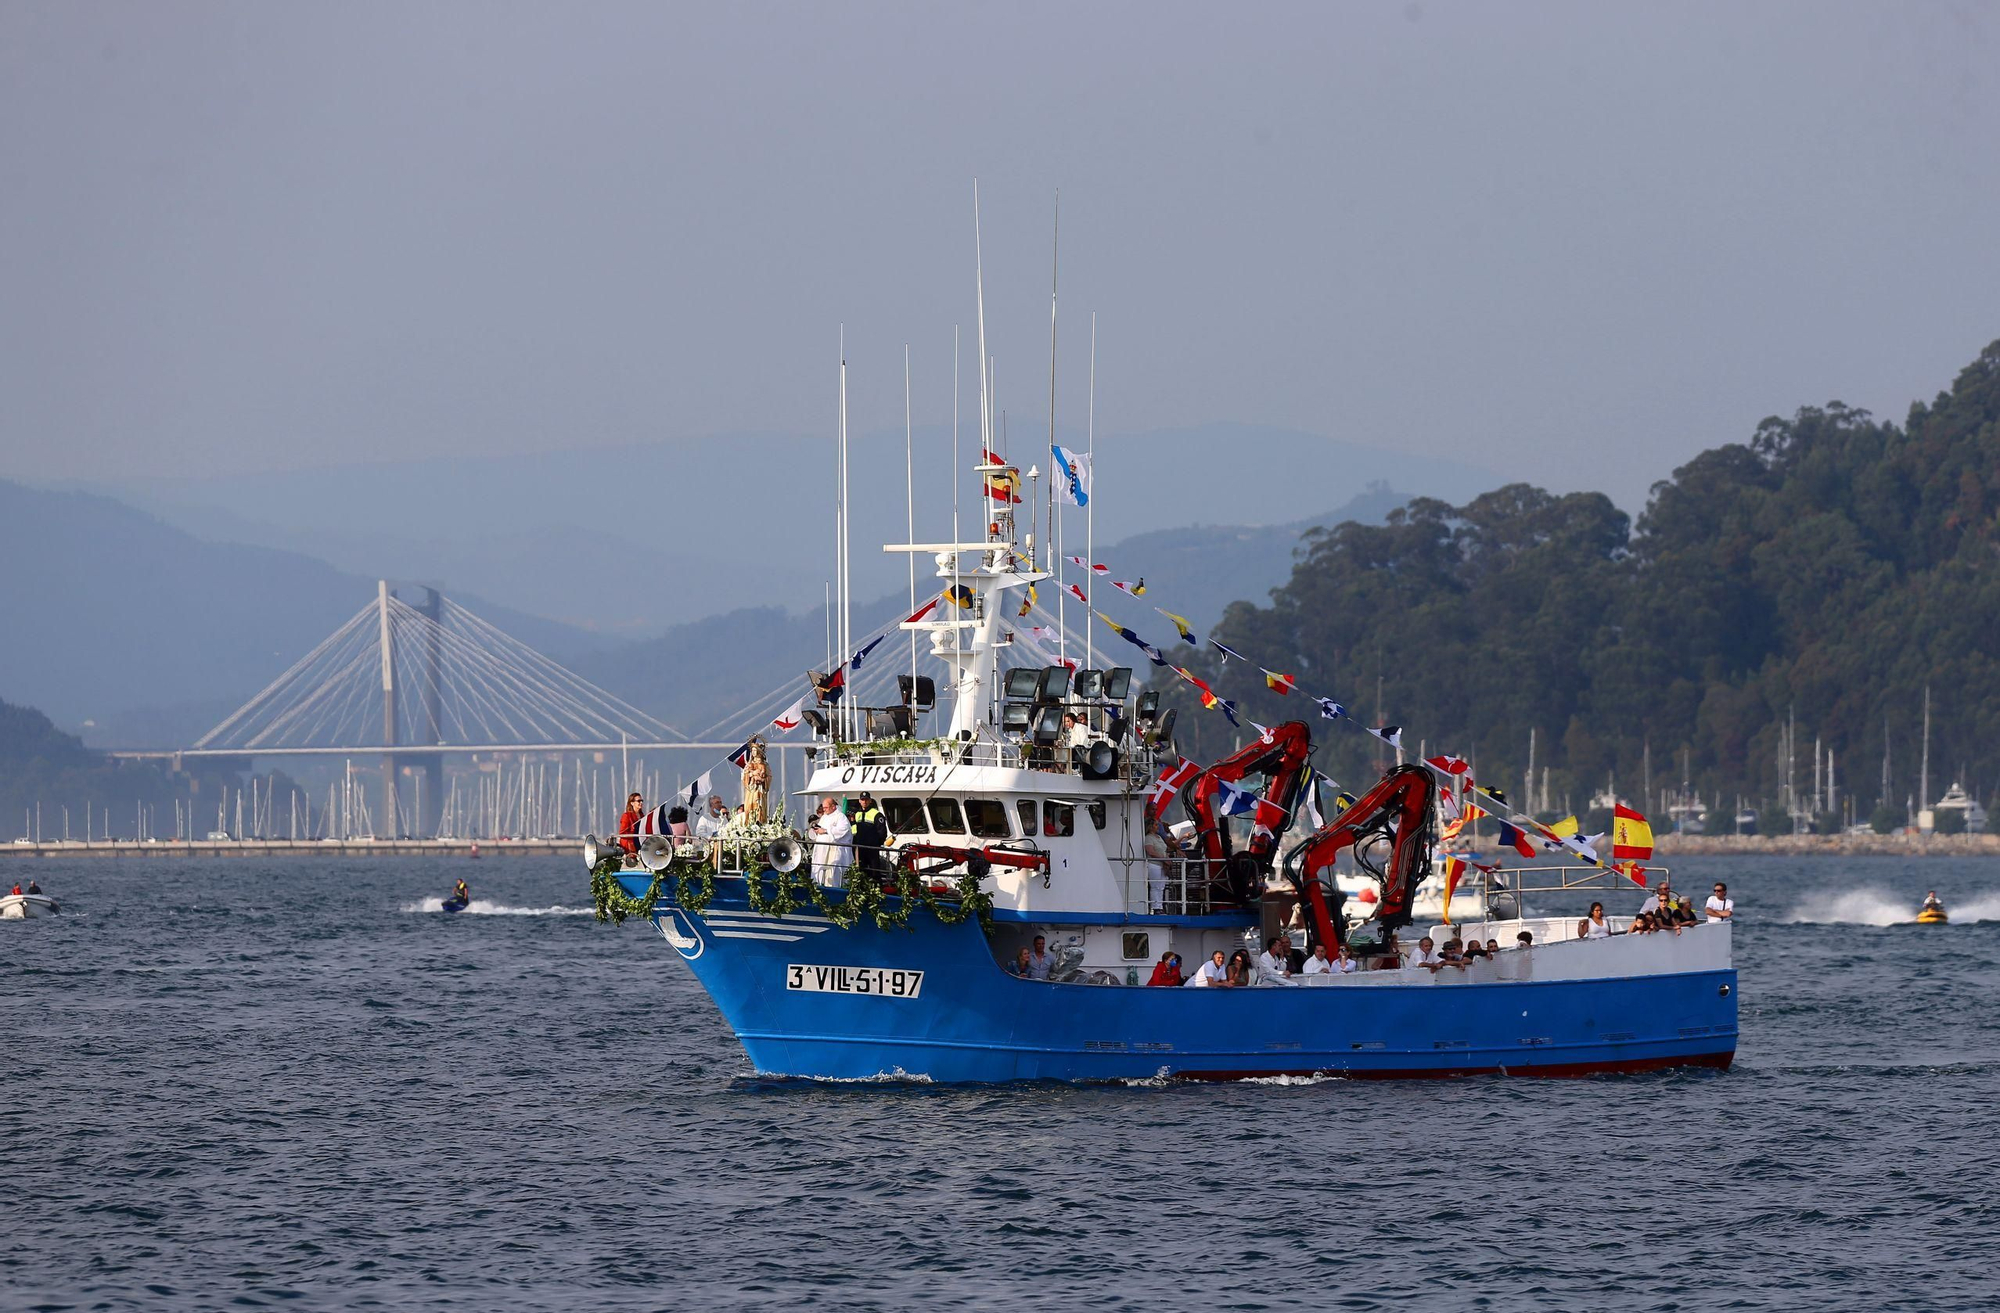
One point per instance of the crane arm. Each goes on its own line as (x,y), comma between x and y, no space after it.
(1401,809)
(1281,758)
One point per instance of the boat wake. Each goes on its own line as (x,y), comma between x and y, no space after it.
(484,907)
(1875,906)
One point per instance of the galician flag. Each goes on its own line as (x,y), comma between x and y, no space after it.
(1076,475)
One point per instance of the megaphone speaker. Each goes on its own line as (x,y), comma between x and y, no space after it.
(784,854)
(656,853)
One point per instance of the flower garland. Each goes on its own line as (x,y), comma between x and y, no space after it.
(863,897)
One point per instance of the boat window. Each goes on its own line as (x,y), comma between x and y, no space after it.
(904,815)
(1096,810)
(945,818)
(1058,819)
(1031,818)
(1138,945)
(987,818)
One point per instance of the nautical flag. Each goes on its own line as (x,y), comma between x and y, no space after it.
(1267,814)
(1389,734)
(1228,709)
(1042,633)
(791,717)
(700,789)
(1631,836)
(1077,593)
(1135,589)
(1027,602)
(1449,765)
(1329,709)
(1312,804)
(1454,868)
(1134,639)
(1278,683)
(1094,569)
(1170,782)
(1233,799)
(855,662)
(929,607)
(1513,838)
(1227,651)
(1181,623)
(1264,734)
(1076,474)
(655,821)
(1634,872)
(741,757)
(960,596)
(1208,697)
(828,687)
(1451,829)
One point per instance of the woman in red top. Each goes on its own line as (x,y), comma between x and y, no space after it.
(1167,971)
(628,824)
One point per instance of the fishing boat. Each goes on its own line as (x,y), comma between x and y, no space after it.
(1021,881)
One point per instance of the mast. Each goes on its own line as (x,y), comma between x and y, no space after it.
(1924,771)
(846,584)
(910,521)
(1055,246)
(1090,507)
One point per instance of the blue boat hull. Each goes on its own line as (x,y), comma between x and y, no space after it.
(969,1021)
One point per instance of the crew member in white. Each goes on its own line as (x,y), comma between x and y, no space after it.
(709,824)
(1425,956)
(1274,964)
(1212,972)
(1721,907)
(834,851)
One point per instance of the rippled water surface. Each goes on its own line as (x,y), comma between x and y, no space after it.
(233,1082)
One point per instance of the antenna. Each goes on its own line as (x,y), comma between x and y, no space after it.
(1090,507)
(910,513)
(985,401)
(1055,538)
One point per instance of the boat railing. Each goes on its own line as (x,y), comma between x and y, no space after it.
(1175,886)
(1134,762)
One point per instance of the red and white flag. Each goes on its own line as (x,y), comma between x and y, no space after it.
(1170,782)
(791,717)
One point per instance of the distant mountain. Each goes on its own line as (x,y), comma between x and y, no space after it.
(634,540)
(154,634)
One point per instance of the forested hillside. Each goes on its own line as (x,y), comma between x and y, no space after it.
(1830,568)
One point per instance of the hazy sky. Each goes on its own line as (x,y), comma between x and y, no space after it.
(1574,242)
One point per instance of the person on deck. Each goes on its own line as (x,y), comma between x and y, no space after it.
(871,832)
(1020,965)
(17,891)
(1167,971)
(1597,927)
(710,823)
(1211,972)
(677,822)
(1426,955)
(628,824)
(34,885)
(1721,907)
(1274,964)
(1040,963)
(1659,901)
(833,851)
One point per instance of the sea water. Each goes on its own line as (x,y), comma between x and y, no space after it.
(301,1084)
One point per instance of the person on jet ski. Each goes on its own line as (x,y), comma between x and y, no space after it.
(1931,902)
(461,893)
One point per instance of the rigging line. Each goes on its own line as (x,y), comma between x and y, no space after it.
(769,698)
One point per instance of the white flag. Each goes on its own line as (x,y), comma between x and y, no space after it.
(791,717)
(1076,475)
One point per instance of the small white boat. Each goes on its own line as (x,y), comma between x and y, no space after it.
(19,907)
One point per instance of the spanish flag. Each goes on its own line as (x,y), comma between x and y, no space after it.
(1631,836)
(1004,486)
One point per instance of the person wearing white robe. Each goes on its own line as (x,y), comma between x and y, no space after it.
(833,852)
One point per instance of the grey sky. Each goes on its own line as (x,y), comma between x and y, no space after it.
(1573,242)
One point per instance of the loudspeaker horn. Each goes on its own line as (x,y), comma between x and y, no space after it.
(593,851)
(656,852)
(784,854)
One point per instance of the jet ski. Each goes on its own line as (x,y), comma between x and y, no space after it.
(460,899)
(1933,914)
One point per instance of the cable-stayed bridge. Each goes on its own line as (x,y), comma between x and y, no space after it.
(413,682)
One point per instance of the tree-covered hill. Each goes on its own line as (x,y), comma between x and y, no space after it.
(1828,569)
